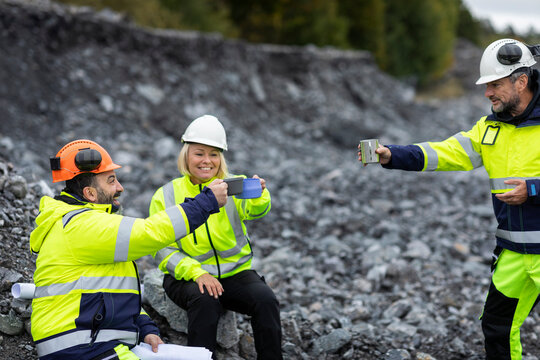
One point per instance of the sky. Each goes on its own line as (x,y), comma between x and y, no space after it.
(520,14)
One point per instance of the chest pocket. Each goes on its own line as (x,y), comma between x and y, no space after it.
(490,135)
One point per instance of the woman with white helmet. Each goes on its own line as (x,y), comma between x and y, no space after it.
(211,269)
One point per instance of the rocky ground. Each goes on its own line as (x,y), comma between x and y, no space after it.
(367,263)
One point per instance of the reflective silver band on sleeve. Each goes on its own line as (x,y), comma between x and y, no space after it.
(177,221)
(88,283)
(121,249)
(83,337)
(431,157)
(163,253)
(466,144)
(173,262)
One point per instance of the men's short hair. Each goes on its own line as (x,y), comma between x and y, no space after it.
(523,71)
(76,185)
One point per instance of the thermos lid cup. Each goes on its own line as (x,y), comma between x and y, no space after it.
(234,185)
(368,148)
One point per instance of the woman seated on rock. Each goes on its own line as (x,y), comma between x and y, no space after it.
(210,270)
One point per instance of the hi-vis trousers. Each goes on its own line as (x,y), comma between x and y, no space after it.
(513,293)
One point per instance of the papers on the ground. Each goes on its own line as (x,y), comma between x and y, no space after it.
(172,352)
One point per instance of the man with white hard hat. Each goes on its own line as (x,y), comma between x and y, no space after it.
(506,143)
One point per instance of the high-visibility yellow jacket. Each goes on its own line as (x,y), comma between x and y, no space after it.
(507,150)
(221,247)
(87,298)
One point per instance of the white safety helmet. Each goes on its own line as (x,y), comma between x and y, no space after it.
(206,130)
(501,58)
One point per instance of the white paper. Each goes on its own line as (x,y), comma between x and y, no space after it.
(171,352)
(23,290)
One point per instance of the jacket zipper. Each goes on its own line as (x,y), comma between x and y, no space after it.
(96,320)
(140,295)
(211,243)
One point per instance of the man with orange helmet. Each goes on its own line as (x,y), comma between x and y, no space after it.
(87,303)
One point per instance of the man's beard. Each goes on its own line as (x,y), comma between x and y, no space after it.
(508,107)
(103,198)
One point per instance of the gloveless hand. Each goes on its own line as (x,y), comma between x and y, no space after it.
(384,154)
(212,285)
(219,188)
(517,196)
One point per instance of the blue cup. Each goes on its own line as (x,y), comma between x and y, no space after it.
(251,188)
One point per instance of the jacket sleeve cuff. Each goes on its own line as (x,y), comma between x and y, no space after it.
(405,157)
(146,326)
(533,189)
(198,209)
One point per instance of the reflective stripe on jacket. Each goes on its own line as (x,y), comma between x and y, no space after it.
(507,152)
(221,246)
(87,298)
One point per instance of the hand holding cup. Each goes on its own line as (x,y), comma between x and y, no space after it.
(219,188)
(370,151)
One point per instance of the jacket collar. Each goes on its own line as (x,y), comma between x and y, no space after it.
(191,185)
(51,210)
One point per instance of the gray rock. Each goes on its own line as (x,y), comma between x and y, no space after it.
(418,249)
(11,324)
(424,356)
(397,354)
(151,93)
(331,343)
(400,327)
(7,278)
(398,309)
(17,186)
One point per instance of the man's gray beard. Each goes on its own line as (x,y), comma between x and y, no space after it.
(509,106)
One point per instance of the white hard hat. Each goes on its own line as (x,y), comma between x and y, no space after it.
(501,58)
(206,130)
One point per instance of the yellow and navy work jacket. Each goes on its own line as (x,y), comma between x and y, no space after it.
(88,298)
(221,246)
(507,150)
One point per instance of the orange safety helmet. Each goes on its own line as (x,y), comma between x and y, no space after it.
(80,156)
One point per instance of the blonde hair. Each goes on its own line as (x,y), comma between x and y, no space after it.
(182,163)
